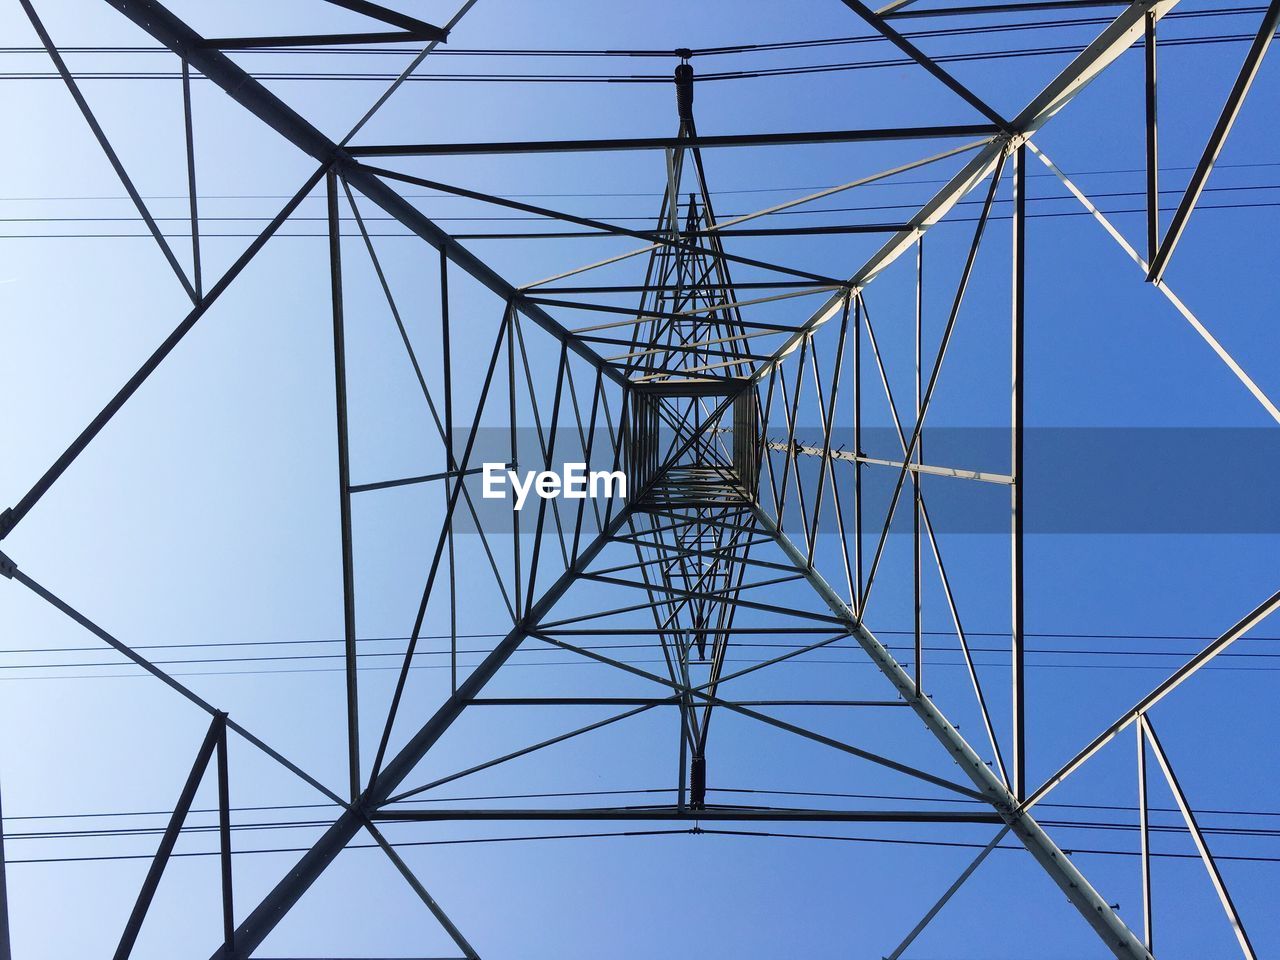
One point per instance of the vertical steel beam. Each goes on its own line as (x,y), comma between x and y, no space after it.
(344,486)
(224,843)
(192,200)
(1226,120)
(826,415)
(1153,152)
(548,458)
(917,569)
(1018,653)
(827,468)
(517,567)
(446,360)
(6,952)
(858,454)
(1144,839)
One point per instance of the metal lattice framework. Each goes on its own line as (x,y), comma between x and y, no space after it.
(728,428)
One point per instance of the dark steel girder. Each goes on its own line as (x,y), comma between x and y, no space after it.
(671,143)
(742,814)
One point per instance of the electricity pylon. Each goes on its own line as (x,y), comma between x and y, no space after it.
(727,425)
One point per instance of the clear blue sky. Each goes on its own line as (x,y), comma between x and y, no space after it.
(206,512)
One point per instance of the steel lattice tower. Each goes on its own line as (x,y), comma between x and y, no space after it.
(743,497)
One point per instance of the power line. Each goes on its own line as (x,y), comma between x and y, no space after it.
(356,846)
(619,218)
(105,833)
(112,833)
(694,52)
(569,234)
(802,188)
(825,794)
(968,846)
(759,73)
(330,804)
(949,800)
(1188,637)
(642,833)
(628,646)
(807,661)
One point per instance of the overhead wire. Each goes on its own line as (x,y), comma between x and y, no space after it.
(714,831)
(257,826)
(106,833)
(363,665)
(814,211)
(757,73)
(663,78)
(1189,637)
(814,230)
(825,794)
(694,52)
(892,182)
(634,646)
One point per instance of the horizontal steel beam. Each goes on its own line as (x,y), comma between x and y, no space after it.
(317,40)
(672,701)
(672,143)
(676,389)
(1034,6)
(707,813)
